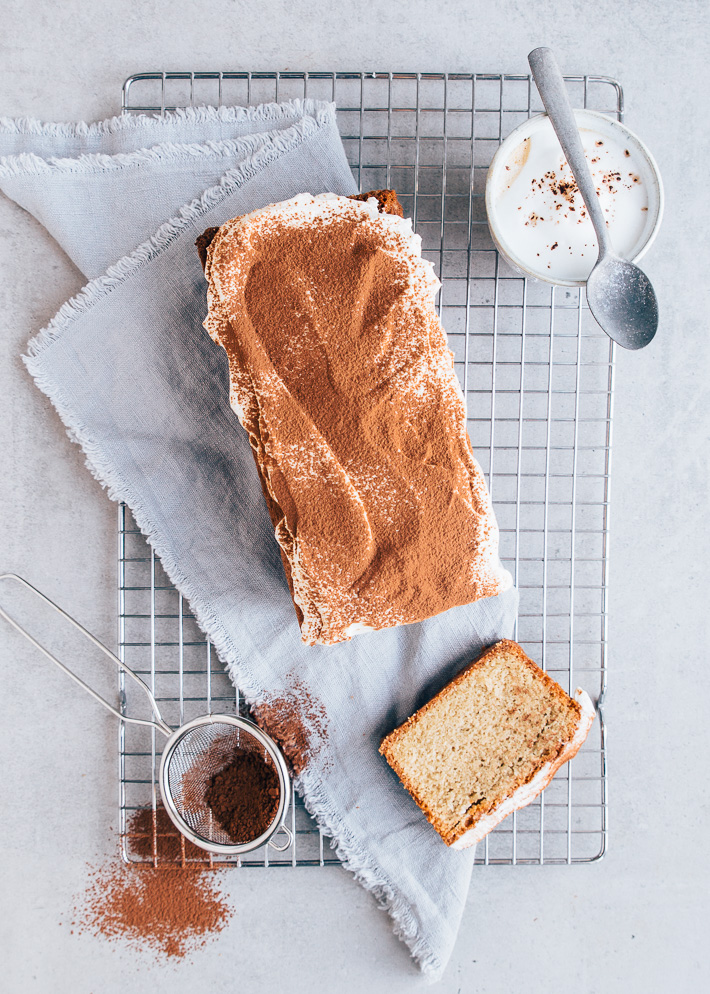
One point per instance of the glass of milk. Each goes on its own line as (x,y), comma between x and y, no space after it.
(536,214)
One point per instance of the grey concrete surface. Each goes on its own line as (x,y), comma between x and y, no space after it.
(637,921)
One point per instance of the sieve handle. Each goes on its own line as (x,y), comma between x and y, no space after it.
(159,724)
(282,847)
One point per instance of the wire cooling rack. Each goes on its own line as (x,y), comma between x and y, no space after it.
(538,376)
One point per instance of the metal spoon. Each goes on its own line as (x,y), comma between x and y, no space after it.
(619,294)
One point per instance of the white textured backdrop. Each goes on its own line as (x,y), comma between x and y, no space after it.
(636,921)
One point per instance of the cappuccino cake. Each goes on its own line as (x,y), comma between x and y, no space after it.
(340,373)
(488,743)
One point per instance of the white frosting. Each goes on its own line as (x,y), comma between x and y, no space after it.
(358,628)
(527,792)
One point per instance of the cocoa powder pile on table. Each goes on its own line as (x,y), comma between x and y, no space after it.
(173,906)
(173,910)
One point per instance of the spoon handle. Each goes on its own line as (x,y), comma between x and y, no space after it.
(553,91)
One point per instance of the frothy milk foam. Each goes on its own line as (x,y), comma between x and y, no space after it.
(541,214)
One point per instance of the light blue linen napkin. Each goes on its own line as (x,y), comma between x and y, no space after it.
(142,388)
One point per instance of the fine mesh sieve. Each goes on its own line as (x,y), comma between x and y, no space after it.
(193,754)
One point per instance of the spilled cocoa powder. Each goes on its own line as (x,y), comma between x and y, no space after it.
(152,836)
(296,722)
(172,906)
(173,910)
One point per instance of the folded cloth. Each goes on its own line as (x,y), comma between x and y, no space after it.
(143,389)
(102,189)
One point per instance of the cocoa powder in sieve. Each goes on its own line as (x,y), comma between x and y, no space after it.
(196,780)
(244,796)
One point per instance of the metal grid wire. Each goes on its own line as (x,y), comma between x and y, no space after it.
(537,374)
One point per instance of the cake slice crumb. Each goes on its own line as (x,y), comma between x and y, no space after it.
(488,743)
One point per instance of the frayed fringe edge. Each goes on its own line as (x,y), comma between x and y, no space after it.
(368,874)
(117,490)
(277,144)
(28,163)
(183,115)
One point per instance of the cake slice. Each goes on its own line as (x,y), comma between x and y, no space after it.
(341,375)
(488,743)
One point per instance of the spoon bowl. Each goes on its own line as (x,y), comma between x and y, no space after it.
(623,302)
(619,294)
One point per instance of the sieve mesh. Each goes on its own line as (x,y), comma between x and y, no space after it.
(199,754)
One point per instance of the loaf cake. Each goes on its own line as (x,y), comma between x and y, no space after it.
(487,744)
(340,374)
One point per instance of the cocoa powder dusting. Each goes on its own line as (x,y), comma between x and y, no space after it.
(340,372)
(566,192)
